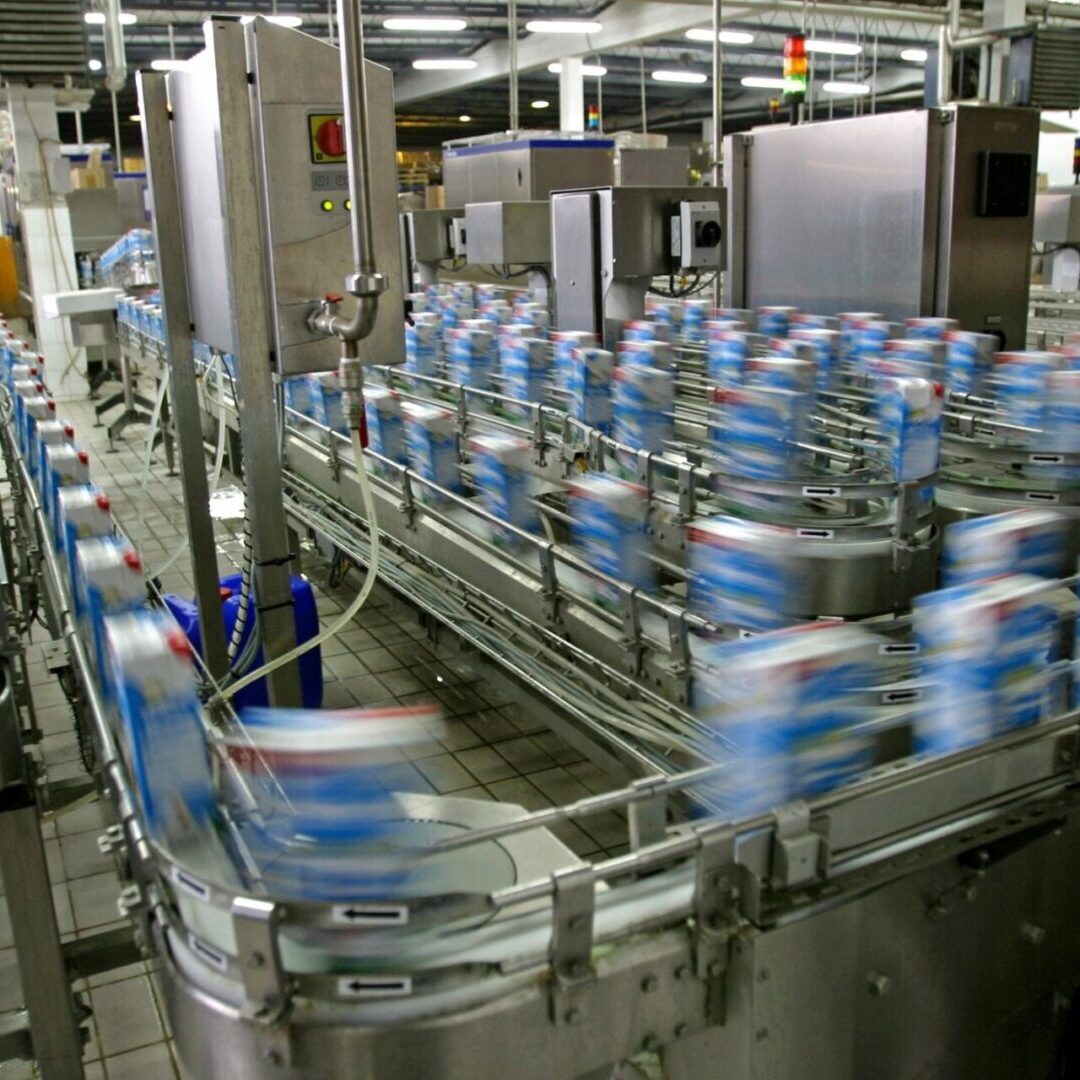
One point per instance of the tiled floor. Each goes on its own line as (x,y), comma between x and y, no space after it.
(491,746)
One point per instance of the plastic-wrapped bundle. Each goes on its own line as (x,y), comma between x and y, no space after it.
(926,328)
(385,424)
(909,411)
(644,400)
(826,344)
(562,359)
(591,373)
(969,360)
(503,481)
(48,433)
(728,351)
(84,513)
(339,833)
(1018,542)
(432,442)
(423,344)
(1022,386)
(65,466)
(986,651)
(757,430)
(792,703)
(609,525)
(36,409)
(775,320)
(524,367)
(151,666)
(742,574)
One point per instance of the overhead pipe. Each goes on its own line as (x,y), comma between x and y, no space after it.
(366,283)
(115,56)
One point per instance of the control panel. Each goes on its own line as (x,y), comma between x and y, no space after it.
(329,177)
(696,235)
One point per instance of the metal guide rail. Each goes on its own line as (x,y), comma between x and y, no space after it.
(261,986)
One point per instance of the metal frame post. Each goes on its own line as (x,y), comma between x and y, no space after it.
(247,259)
(183,390)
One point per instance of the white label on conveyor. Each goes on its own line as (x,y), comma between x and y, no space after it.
(899,648)
(371,914)
(204,952)
(815,534)
(365,986)
(199,889)
(817,491)
(1042,496)
(1046,459)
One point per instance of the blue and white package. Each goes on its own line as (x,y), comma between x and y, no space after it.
(647,330)
(969,360)
(534,315)
(793,705)
(924,356)
(591,373)
(728,351)
(909,411)
(151,666)
(775,320)
(1029,541)
(109,580)
(432,442)
(796,373)
(986,651)
(1060,423)
(524,369)
(826,352)
(758,430)
(503,481)
(471,356)
(47,433)
(643,405)
(929,328)
(804,320)
(327,407)
(850,322)
(742,574)
(65,466)
(868,337)
(1021,380)
(84,513)
(655,354)
(746,316)
(423,344)
(609,525)
(298,396)
(385,424)
(35,409)
(695,313)
(562,359)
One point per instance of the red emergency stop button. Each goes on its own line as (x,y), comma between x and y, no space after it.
(330,138)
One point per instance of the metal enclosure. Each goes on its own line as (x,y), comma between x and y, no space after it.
(425,238)
(525,166)
(518,233)
(1057,216)
(607,246)
(300,189)
(95,218)
(888,213)
(667,166)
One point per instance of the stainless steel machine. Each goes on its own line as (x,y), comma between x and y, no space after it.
(610,243)
(427,241)
(927,212)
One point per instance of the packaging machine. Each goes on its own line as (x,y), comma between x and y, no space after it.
(914,915)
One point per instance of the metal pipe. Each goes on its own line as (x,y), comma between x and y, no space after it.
(512,33)
(117,158)
(717,94)
(366,283)
(641,83)
(115,57)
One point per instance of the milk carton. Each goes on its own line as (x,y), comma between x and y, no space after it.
(524,369)
(431,440)
(326,402)
(84,513)
(728,351)
(385,424)
(471,358)
(609,525)
(565,342)
(47,433)
(775,320)
(643,404)
(423,344)
(1030,541)
(826,352)
(502,478)
(924,328)
(1022,386)
(909,411)
(969,360)
(758,429)
(65,466)
(591,374)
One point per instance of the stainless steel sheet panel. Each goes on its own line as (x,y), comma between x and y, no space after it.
(508,232)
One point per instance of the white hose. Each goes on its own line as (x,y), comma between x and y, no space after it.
(354,608)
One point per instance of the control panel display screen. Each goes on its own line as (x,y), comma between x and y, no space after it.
(326,138)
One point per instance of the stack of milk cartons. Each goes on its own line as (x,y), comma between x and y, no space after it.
(502,478)
(758,429)
(643,405)
(591,373)
(85,512)
(909,412)
(969,361)
(64,465)
(562,358)
(385,425)
(524,360)
(743,574)
(327,406)
(431,440)
(472,353)
(825,351)
(728,350)
(609,525)
(792,706)
(987,650)
(423,344)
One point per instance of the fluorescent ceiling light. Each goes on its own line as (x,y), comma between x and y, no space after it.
(855,89)
(725,37)
(419,22)
(449,63)
(914,56)
(680,76)
(464,118)
(94,18)
(135,118)
(562,26)
(761,82)
(837,48)
(166,64)
(128,18)
(291,21)
(94,65)
(540,104)
(592,71)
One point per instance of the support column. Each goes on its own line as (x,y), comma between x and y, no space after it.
(1001,15)
(571,95)
(46,230)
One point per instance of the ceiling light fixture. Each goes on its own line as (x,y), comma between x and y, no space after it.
(291,21)
(853,89)
(94,18)
(591,71)
(464,118)
(914,56)
(687,77)
(761,82)
(94,65)
(128,18)
(725,37)
(836,48)
(166,64)
(135,118)
(562,26)
(449,63)
(540,104)
(420,23)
